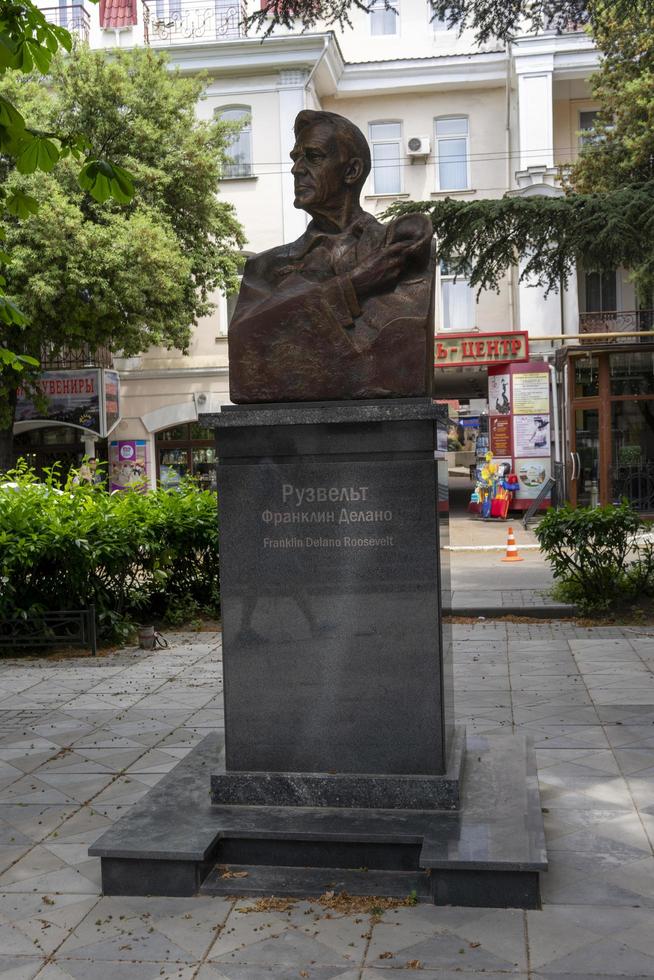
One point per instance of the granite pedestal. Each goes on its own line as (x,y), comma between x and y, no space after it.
(337,675)
(340,747)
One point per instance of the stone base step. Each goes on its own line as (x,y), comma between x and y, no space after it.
(312,882)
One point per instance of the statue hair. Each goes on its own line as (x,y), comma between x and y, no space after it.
(344,130)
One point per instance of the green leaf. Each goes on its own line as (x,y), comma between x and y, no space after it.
(10,117)
(39,154)
(62,36)
(8,52)
(25,60)
(22,205)
(104,180)
(40,54)
(10,313)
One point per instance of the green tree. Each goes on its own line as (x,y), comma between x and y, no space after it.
(27,43)
(121,275)
(619,150)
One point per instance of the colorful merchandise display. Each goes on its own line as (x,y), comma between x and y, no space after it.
(494,489)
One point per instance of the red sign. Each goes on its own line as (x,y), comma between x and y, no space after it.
(500,435)
(460,349)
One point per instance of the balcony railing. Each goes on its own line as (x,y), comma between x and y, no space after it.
(74,18)
(70,358)
(180,21)
(618,322)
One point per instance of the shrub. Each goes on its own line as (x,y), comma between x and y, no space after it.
(596,558)
(135,555)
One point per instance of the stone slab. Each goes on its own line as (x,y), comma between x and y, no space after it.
(344,790)
(312,413)
(489,853)
(331,594)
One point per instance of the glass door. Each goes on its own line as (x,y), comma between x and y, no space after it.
(586,473)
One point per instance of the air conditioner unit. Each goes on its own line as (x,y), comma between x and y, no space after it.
(418,146)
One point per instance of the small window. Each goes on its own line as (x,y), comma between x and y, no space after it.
(386,140)
(457,297)
(240,147)
(452,156)
(601,292)
(382,19)
(587,120)
(438,24)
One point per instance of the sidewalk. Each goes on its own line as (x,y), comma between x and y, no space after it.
(81,740)
(484,585)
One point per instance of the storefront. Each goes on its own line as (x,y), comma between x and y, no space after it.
(607,398)
(186,451)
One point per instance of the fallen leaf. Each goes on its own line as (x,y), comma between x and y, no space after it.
(386,956)
(414,965)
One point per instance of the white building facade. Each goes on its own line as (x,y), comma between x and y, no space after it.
(444,117)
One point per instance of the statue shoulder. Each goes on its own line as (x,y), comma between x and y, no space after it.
(264,265)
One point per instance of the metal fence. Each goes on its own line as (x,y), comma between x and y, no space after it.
(74,18)
(174,21)
(63,628)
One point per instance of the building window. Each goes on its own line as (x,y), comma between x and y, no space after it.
(386,140)
(457,297)
(382,19)
(183,451)
(452,156)
(240,146)
(587,119)
(438,24)
(601,292)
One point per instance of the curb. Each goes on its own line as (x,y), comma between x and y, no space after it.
(496,612)
(488,547)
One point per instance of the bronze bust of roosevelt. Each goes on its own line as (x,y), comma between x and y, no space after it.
(346,311)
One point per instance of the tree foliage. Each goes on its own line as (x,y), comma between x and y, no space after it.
(487,19)
(619,150)
(114,274)
(550,234)
(28,43)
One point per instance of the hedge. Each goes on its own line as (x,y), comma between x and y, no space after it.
(139,556)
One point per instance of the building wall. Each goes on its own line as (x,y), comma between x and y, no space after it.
(411,77)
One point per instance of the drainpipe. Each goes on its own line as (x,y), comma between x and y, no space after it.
(313,71)
(507,150)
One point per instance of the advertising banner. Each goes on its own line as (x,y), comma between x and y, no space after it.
(499,394)
(128,464)
(500,435)
(532,474)
(531,435)
(72,397)
(111,400)
(88,398)
(531,393)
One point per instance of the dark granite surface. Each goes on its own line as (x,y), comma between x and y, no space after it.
(331,599)
(344,790)
(313,413)
(499,826)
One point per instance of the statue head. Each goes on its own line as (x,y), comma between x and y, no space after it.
(331,160)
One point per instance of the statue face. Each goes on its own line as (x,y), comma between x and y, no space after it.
(319,167)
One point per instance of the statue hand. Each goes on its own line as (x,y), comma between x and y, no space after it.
(381,270)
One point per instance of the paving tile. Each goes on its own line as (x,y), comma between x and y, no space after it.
(118,970)
(447,938)
(179,929)
(19,967)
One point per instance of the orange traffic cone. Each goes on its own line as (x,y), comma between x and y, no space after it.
(511,548)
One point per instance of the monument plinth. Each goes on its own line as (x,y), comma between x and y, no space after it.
(338,675)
